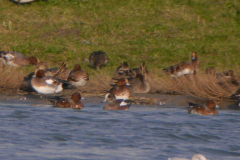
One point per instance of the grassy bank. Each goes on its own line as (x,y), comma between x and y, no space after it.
(161,33)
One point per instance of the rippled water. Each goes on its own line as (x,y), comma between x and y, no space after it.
(143,132)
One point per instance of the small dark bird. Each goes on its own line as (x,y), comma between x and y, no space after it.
(98,59)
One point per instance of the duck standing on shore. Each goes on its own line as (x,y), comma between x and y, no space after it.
(123,71)
(44,84)
(17,59)
(184,68)
(140,84)
(78,77)
(98,59)
(74,102)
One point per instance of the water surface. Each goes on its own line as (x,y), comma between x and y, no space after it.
(144,132)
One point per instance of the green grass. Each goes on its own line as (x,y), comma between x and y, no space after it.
(161,33)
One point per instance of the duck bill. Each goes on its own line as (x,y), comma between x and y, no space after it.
(216,106)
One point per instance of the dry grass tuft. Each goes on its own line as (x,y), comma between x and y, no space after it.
(99,82)
(201,86)
(11,78)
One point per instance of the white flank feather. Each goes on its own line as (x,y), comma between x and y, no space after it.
(49,81)
(123,103)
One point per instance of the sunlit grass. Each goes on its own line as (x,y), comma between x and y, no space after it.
(161,33)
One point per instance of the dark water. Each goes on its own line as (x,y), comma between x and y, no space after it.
(143,132)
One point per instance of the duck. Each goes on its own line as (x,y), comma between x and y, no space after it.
(114,104)
(123,71)
(195,157)
(227,77)
(45,84)
(17,59)
(98,59)
(184,68)
(121,89)
(74,102)
(208,109)
(140,84)
(230,78)
(60,74)
(77,76)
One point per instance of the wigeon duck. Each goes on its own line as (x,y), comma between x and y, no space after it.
(228,77)
(74,102)
(45,85)
(59,73)
(98,59)
(140,70)
(209,109)
(78,77)
(123,71)
(195,157)
(140,83)
(184,68)
(115,104)
(121,89)
(236,97)
(17,59)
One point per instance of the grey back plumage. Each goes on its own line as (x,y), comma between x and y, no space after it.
(98,59)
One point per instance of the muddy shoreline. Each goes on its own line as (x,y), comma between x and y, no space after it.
(149,99)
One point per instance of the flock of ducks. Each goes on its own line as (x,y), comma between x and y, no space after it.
(50,81)
(127,80)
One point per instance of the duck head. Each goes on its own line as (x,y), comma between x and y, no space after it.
(33,60)
(77,67)
(212,104)
(40,73)
(194,56)
(123,82)
(76,97)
